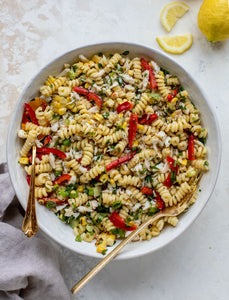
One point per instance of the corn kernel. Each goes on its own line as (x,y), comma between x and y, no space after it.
(89,122)
(23,160)
(83,221)
(103,178)
(124,125)
(112,182)
(184,162)
(61,216)
(86,85)
(131,72)
(141,127)
(23,126)
(120,115)
(101,248)
(80,189)
(110,240)
(174,100)
(80,64)
(135,144)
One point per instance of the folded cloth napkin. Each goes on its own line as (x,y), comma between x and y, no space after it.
(29,268)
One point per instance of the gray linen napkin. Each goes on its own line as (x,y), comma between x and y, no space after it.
(29,268)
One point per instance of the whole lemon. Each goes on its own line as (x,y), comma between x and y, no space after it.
(213,19)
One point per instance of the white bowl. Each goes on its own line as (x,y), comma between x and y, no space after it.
(48,222)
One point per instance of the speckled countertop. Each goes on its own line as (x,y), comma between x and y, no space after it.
(196,265)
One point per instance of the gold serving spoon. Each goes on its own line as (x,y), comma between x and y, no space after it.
(166,212)
(30,225)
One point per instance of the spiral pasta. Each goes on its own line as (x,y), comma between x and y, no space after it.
(86,171)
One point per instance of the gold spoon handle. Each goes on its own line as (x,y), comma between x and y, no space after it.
(113,253)
(30,225)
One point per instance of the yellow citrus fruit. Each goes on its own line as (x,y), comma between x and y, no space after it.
(171,13)
(213,19)
(175,44)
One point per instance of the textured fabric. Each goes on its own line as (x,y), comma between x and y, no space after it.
(29,267)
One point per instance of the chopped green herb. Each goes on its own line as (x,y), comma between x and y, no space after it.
(106,115)
(155,168)
(74,194)
(66,142)
(74,67)
(152,211)
(126,52)
(56,116)
(102,209)
(203,140)
(78,238)
(100,65)
(57,173)
(118,128)
(71,74)
(173,176)
(104,251)
(73,222)
(55,187)
(154,95)
(107,142)
(206,163)
(116,205)
(120,81)
(50,204)
(164,71)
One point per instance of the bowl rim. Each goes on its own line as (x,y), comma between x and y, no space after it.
(219,145)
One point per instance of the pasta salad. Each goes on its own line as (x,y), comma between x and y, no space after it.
(118,139)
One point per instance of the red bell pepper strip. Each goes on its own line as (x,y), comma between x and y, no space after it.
(147,191)
(124,106)
(148,119)
(32,114)
(172,163)
(132,129)
(46,150)
(47,140)
(61,179)
(57,201)
(172,94)
(174,168)
(160,204)
(168,181)
(152,79)
(25,117)
(28,177)
(120,161)
(90,95)
(191,149)
(120,222)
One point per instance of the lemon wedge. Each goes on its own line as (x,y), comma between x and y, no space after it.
(175,44)
(171,13)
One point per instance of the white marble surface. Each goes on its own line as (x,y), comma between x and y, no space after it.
(196,265)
